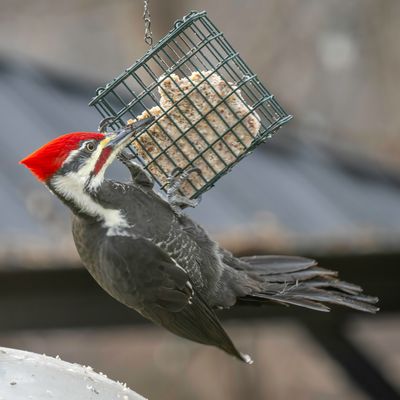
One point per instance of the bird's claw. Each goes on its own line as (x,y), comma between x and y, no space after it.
(104,124)
(179,202)
(175,180)
(178,176)
(126,157)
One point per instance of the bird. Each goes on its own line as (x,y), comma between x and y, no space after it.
(147,253)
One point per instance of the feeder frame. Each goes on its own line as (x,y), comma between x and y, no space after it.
(193,45)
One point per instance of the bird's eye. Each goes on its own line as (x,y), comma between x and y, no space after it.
(89,146)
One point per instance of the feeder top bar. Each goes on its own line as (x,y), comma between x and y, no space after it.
(180,23)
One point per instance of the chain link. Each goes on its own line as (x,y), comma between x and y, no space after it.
(148,34)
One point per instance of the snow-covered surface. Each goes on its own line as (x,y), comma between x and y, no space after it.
(30,376)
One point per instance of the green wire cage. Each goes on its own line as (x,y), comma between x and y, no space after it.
(211,110)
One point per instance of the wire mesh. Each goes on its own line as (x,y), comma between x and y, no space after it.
(211,110)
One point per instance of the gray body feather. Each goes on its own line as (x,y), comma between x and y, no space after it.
(166,267)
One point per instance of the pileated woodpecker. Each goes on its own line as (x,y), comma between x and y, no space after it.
(150,256)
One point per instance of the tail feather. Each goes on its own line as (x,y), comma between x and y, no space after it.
(299,275)
(345,287)
(276,298)
(299,281)
(333,297)
(278,264)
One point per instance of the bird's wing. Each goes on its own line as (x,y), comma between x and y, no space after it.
(162,291)
(145,271)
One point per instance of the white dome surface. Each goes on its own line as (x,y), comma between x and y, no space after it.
(30,376)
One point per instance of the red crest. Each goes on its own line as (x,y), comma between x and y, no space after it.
(46,160)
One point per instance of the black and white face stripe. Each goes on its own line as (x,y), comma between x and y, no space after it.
(79,157)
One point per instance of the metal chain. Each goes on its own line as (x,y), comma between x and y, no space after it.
(148,34)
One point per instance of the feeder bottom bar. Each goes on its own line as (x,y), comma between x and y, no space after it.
(209,126)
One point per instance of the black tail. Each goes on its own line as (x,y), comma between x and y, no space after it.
(299,281)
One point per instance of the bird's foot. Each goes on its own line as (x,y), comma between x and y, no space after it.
(126,158)
(177,201)
(139,175)
(104,125)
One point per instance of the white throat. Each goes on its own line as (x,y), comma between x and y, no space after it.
(71,187)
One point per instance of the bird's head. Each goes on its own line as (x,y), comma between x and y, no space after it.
(77,161)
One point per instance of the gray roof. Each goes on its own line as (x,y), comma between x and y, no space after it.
(298,185)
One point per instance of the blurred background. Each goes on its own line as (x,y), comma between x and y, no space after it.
(326,186)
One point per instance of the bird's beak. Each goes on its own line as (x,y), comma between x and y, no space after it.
(115,142)
(123,137)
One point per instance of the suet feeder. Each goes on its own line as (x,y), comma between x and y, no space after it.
(211,110)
